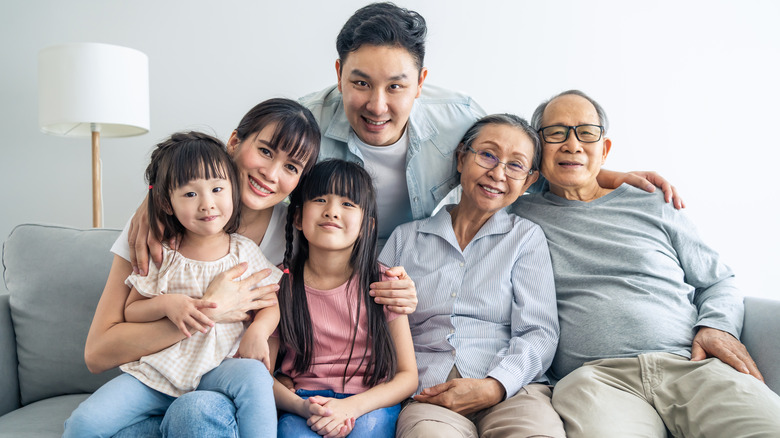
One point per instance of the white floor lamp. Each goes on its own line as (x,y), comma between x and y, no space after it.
(89,89)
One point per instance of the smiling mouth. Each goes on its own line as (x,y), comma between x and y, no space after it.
(491,190)
(375,123)
(330,225)
(258,187)
(209,218)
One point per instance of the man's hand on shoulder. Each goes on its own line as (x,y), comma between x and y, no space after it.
(710,342)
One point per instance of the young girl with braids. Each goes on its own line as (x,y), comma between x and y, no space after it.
(194,198)
(343,352)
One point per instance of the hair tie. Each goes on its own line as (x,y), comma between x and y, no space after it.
(286,271)
(150,187)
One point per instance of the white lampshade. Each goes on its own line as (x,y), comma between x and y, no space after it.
(84,85)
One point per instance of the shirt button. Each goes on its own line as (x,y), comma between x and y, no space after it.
(453,352)
(452,331)
(454,294)
(416,199)
(461,264)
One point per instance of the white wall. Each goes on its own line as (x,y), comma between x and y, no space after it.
(701,75)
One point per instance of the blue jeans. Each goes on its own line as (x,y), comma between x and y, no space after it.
(379,423)
(125,401)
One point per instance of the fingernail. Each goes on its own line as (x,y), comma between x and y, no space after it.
(135,270)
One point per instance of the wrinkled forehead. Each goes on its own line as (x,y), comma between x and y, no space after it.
(571,110)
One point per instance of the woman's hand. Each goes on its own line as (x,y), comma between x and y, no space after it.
(142,241)
(235,298)
(399,296)
(254,347)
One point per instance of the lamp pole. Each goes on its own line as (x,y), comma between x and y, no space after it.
(97,195)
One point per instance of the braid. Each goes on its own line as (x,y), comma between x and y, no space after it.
(295,332)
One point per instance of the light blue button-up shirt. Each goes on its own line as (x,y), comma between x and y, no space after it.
(489,309)
(437,122)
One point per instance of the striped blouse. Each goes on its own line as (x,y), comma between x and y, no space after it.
(489,309)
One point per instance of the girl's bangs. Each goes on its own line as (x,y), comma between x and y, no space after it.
(196,161)
(335,179)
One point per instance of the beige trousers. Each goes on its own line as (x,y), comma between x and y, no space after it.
(529,413)
(646,395)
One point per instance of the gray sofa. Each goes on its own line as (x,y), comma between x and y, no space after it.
(54,277)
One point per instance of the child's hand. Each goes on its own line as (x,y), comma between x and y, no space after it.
(185,312)
(254,347)
(339,422)
(286,381)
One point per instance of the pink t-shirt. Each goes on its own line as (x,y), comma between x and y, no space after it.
(332,317)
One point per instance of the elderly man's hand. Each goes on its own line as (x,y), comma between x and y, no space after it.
(710,342)
(464,396)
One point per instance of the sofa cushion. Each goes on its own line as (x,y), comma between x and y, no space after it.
(55,276)
(43,419)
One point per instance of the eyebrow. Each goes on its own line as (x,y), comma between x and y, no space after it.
(276,148)
(364,75)
(514,155)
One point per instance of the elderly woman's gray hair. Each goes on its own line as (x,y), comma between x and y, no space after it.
(508,120)
(536,120)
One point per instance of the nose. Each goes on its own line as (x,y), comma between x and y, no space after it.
(498,173)
(271,172)
(377,103)
(207,202)
(572,143)
(331,211)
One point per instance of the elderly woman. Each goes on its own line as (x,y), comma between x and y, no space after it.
(486,326)
(643,302)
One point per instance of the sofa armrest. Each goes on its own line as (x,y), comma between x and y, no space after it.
(9,377)
(760,336)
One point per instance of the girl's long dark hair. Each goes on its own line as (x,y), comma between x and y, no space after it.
(349,180)
(176,161)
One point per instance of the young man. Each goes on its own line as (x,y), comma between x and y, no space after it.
(380,115)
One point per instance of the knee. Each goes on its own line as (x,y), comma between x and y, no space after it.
(429,429)
(249,371)
(79,424)
(196,412)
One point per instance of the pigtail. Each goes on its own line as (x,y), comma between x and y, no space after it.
(295,333)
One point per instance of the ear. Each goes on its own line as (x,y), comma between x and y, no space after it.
(297,220)
(166,207)
(461,158)
(338,74)
(420,80)
(530,180)
(233,143)
(607,148)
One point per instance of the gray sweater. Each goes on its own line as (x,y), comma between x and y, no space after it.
(632,276)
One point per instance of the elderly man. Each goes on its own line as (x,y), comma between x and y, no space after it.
(650,317)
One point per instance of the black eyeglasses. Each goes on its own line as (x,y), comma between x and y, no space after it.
(512,169)
(560,133)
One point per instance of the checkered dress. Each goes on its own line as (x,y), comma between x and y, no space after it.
(178,369)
